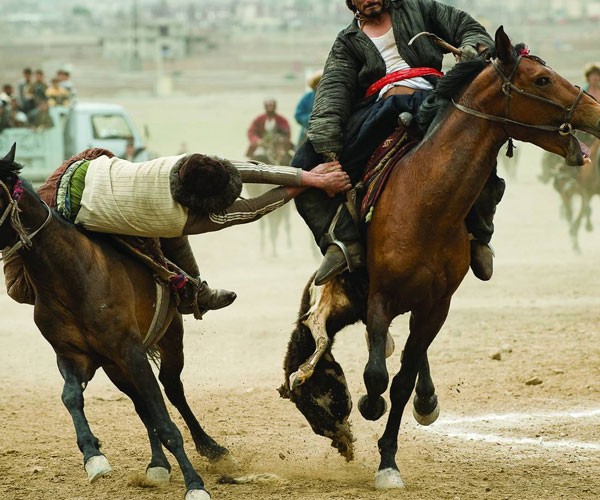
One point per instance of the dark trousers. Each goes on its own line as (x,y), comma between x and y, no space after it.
(366,130)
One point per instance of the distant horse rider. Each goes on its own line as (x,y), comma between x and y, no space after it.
(269,122)
(170,198)
(371,78)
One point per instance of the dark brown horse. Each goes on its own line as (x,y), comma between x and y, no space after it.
(418,246)
(95,305)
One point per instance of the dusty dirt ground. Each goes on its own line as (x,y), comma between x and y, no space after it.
(497,437)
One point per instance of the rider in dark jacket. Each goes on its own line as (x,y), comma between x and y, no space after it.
(348,125)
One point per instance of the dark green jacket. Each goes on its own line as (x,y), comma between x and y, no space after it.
(354,63)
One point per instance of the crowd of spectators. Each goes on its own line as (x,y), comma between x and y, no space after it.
(28,105)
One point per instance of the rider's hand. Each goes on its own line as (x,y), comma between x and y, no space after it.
(335,182)
(330,166)
(467,53)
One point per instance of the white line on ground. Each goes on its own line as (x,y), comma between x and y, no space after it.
(458,427)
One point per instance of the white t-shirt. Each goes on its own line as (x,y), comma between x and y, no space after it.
(386,44)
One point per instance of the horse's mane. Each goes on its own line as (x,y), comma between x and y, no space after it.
(448,86)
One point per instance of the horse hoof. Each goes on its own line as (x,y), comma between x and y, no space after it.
(158,474)
(388,479)
(295,381)
(429,418)
(197,495)
(372,413)
(96,467)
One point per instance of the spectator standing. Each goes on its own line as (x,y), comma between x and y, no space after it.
(39,86)
(305,104)
(57,95)
(26,98)
(64,78)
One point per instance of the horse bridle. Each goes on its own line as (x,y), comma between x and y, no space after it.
(12,211)
(566,128)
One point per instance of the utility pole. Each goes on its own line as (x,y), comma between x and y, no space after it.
(136,63)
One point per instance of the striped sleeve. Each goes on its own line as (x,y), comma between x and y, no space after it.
(240,212)
(261,173)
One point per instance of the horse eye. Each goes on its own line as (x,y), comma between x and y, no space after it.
(543,81)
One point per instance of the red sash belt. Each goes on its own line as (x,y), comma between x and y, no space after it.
(403,74)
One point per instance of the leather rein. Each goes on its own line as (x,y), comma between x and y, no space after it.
(566,128)
(11,212)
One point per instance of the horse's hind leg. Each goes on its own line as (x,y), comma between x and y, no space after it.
(171,366)
(76,376)
(424,326)
(426,409)
(136,367)
(159,469)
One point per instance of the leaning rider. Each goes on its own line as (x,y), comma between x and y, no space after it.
(170,198)
(372,78)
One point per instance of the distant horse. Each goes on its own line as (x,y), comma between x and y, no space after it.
(275,149)
(418,245)
(94,305)
(571,184)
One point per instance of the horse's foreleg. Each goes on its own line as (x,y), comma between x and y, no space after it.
(96,464)
(588,212)
(426,409)
(424,326)
(159,469)
(576,223)
(137,369)
(373,406)
(171,366)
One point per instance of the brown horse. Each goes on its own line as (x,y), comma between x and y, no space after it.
(275,149)
(418,246)
(582,184)
(94,305)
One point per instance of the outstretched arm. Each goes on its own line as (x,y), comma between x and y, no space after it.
(327,176)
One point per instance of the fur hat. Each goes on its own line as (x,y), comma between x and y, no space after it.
(591,68)
(205,184)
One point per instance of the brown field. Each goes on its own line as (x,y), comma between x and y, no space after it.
(497,437)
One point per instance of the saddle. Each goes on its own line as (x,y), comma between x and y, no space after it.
(379,167)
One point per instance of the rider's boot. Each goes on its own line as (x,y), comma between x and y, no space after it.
(482,260)
(340,257)
(179,251)
(480,224)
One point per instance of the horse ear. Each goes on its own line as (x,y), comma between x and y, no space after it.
(504,49)
(10,156)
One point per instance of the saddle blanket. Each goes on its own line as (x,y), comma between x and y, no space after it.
(380,165)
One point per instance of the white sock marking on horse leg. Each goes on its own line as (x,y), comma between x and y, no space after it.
(96,467)
(388,479)
(197,495)
(158,475)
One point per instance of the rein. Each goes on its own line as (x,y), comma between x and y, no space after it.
(12,210)
(566,128)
